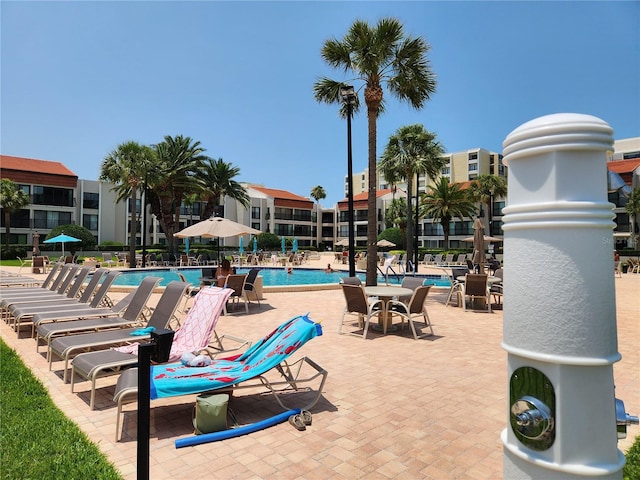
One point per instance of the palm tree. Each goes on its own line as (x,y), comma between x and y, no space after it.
(396,214)
(443,202)
(633,209)
(12,199)
(318,193)
(217,176)
(484,188)
(127,168)
(179,159)
(376,56)
(411,151)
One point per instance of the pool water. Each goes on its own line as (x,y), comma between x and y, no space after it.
(271,277)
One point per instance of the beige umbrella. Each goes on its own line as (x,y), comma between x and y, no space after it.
(385,243)
(487,239)
(478,244)
(342,243)
(216,227)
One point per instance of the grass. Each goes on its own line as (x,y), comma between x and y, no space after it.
(38,440)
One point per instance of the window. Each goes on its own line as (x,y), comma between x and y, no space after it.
(18,219)
(256,226)
(446,170)
(473,156)
(255,213)
(59,197)
(90,200)
(50,219)
(90,222)
(473,167)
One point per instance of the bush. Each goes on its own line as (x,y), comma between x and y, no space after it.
(13,252)
(632,467)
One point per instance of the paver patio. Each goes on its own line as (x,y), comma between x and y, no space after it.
(392,407)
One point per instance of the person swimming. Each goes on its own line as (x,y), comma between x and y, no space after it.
(329,269)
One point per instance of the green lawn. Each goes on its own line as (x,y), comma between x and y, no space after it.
(37,440)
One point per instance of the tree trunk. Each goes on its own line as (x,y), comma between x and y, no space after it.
(409,236)
(372,220)
(133,230)
(7,226)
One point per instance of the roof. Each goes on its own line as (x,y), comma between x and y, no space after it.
(623,166)
(8,162)
(281,194)
(365,195)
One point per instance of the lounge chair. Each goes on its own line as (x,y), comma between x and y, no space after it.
(236,283)
(73,298)
(415,308)
(11,295)
(476,285)
(22,311)
(248,370)
(193,336)
(88,300)
(249,284)
(358,305)
(65,347)
(125,313)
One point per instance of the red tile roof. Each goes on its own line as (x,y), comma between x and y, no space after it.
(281,194)
(623,166)
(365,195)
(32,165)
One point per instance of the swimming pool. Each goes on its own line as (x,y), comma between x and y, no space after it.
(271,277)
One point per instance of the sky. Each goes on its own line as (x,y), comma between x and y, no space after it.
(80,78)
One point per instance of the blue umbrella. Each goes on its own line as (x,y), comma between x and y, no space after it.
(255,245)
(186,245)
(284,249)
(241,246)
(295,245)
(62,238)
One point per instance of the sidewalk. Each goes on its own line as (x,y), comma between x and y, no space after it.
(392,407)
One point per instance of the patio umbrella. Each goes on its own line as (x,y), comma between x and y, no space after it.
(186,245)
(478,244)
(255,245)
(295,244)
(342,243)
(216,227)
(241,245)
(62,238)
(487,239)
(284,248)
(385,243)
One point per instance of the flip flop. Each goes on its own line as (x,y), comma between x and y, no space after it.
(306,417)
(296,421)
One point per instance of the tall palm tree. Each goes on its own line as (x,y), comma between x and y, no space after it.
(411,150)
(484,188)
(127,168)
(318,193)
(396,215)
(218,178)
(179,159)
(445,201)
(633,209)
(377,56)
(12,199)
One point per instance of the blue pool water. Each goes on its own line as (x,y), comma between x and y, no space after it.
(270,277)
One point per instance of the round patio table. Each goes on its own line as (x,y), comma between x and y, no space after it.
(386,293)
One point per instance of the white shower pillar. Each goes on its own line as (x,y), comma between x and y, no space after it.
(559,308)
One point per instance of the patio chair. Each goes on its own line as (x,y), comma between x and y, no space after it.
(251,369)
(249,284)
(107,259)
(496,288)
(24,263)
(357,304)
(476,285)
(412,283)
(456,285)
(65,347)
(437,259)
(236,283)
(351,280)
(415,308)
(125,313)
(193,336)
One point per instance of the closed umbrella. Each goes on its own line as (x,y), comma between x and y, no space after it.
(255,245)
(284,248)
(62,238)
(295,245)
(478,244)
(186,245)
(36,244)
(241,245)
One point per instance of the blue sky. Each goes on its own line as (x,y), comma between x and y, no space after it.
(78,78)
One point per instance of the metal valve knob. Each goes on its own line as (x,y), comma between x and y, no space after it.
(623,419)
(531,418)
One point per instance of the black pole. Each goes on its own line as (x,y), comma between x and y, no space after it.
(144,224)
(352,240)
(144,404)
(415,225)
